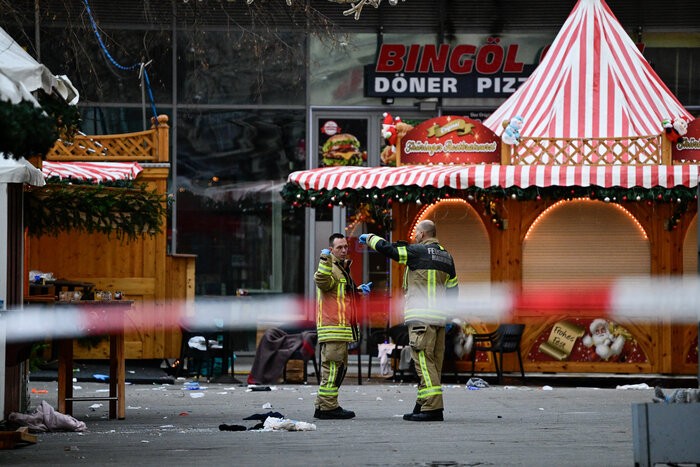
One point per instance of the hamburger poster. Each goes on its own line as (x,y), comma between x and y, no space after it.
(450,140)
(343,142)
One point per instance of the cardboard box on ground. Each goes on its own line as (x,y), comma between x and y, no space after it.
(295,371)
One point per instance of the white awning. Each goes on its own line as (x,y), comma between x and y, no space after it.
(20,75)
(21,171)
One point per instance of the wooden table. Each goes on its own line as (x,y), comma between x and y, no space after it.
(117,370)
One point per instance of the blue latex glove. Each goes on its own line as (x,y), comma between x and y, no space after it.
(365,288)
(363,239)
(325,251)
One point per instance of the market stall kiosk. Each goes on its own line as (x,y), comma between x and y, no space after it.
(159,284)
(586,174)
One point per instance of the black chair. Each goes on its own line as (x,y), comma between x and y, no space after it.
(194,358)
(505,339)
(375,337)
(399,336)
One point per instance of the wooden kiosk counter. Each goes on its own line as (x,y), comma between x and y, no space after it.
(138,267)
(117,361)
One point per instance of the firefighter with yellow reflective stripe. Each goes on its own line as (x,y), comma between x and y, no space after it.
(336,324)
(429,277)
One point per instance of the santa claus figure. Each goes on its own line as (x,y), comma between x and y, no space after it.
(606,343)
(675,129)
(389,128)
(390,133)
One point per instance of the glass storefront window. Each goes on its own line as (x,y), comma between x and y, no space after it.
(231,167)
(241,244)
(100,120)
(336,71)
(96,77)
(229,67)
(677,68)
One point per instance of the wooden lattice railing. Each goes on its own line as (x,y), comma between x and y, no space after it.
(586,151)
(143,146)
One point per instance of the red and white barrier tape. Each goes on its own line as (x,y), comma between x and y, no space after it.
(652,299)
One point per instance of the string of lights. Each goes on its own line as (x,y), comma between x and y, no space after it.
(355,5)
(491,198)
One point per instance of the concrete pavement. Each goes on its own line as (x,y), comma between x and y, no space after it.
(500,425)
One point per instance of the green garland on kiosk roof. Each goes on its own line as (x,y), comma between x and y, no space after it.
(489,198)
(121,208)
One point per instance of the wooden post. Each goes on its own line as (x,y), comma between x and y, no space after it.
(398,151)
(162,136)
(666,151)
(506,150)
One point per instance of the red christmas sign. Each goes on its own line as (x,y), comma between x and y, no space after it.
(688,147)
(450,140)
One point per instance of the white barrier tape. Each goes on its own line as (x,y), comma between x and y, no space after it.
(653,299)
(675,299)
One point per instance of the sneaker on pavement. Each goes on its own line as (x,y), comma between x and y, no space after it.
(335,414)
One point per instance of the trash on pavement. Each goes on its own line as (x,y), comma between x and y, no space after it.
(285,424)
(263,416)
(633,386)
(45,418)
(477,383)
(679,396)
(225,427)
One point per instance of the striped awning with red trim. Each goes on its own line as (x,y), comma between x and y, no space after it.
(485,176)
(593,82)
(96,171)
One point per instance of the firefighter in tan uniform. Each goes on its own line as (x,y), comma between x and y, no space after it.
(430,276)
(336,324)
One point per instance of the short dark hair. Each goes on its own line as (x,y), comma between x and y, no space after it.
(332,238)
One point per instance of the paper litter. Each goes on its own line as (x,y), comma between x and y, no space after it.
(285,424)
(633,386)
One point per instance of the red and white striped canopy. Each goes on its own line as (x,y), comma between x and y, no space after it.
(97,171)
(592,83)
(485,176)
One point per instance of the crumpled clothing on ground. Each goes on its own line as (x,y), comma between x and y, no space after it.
(263,416)
(45,418)
(285,424)
(683,396)
(477,383)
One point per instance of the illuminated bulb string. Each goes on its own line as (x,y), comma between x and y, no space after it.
(546,212)
(356,5)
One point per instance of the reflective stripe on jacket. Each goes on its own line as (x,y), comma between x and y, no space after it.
(335,300)
(430,276)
